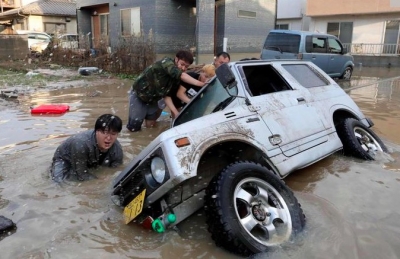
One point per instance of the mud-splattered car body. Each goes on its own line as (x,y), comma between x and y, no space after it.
(279,115)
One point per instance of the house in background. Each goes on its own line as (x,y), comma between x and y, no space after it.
(291,15)
(358,22)
(204,26)
(51,16)
(364,26)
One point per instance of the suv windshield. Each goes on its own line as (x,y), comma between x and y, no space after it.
(212,98)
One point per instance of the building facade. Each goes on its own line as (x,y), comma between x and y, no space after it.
(203,26)
(357,21)
(291,15)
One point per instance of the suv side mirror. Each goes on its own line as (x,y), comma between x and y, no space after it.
(225,76)
(345,51)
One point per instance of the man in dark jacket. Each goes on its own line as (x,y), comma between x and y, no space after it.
(88,149)
(153,84)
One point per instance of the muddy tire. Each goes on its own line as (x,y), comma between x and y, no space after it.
(358,140)
(347,73)
(249,210)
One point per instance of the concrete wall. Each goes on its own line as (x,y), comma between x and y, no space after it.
(289,9)
(374,61)
(244,35)
(175,25)
(294,24)
(205,12)
(13,47)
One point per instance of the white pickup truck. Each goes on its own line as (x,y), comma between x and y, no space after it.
(227,151)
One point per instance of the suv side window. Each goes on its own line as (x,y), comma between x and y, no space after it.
(319,44)
(334,46)
(306,76)
(264,80)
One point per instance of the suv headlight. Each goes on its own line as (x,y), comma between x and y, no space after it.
(158,169)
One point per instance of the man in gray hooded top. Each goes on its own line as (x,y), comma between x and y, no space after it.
(88,149)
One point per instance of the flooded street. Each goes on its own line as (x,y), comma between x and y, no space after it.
(352,206)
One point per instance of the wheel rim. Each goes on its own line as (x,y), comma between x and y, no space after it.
(347,74)
(367,142)
(262,212)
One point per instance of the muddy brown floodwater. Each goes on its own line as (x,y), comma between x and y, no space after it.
(352,206)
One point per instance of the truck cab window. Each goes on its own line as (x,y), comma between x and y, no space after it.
(263,79)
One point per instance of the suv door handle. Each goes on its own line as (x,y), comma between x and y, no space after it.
(301,99)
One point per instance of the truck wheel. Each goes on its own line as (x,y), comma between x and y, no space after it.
(358,140)
(347,73)
(250,210)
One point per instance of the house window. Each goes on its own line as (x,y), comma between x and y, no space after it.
(130,21)
(282,26)
(342,30)
(55,28)
(392,37)
(247,14)
(103,24)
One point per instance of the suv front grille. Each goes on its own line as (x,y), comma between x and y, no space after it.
(131,188)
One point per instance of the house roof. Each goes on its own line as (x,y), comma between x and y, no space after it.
(45,8)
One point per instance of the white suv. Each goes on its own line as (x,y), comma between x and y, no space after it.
(252,125)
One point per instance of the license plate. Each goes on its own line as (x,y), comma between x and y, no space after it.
(134,208)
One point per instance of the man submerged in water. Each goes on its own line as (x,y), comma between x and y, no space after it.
(88,149)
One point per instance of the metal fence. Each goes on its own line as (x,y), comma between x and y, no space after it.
(373,49)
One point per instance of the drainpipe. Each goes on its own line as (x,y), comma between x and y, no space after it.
(21,15)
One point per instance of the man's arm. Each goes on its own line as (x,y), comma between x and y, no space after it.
(171,106)
(190,80)
(181,94)
(79,160)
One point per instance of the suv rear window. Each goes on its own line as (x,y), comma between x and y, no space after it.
(283,42)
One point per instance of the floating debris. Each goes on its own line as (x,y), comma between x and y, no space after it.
(9,93)
(85,71)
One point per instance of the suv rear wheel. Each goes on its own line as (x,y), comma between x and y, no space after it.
(347,73)
(358,140)
(250,210)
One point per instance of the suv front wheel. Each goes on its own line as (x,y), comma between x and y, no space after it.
(250,210)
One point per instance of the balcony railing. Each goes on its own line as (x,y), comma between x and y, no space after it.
(373,49)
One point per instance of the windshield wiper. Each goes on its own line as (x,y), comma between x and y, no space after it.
(223,104)
(273,47)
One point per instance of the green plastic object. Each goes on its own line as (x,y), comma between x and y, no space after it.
(159,225)
(171,218)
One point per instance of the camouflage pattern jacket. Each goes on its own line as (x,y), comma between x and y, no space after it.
(157,80)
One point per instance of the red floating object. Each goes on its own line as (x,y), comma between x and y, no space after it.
(50,109)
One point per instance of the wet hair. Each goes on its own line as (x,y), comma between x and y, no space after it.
(223,54)
(185,55)
(108,122)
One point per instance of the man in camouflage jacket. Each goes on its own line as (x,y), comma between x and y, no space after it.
(153,84)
